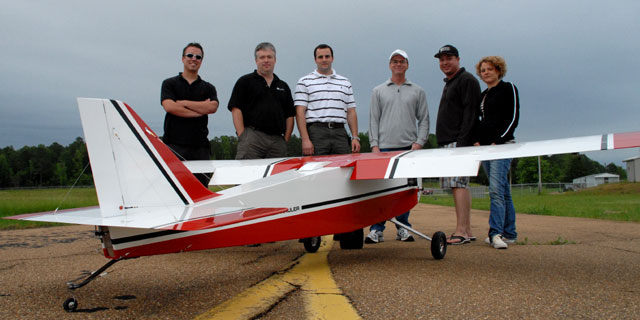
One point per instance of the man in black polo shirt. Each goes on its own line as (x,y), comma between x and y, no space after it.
(262,109)
(188,101)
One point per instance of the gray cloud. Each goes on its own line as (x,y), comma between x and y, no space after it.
(573,62)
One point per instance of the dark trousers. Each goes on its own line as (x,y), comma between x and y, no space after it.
(255,144)
(329,140)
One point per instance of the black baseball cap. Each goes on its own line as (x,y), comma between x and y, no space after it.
(448,50)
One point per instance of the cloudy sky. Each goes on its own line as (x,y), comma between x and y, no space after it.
(574,62)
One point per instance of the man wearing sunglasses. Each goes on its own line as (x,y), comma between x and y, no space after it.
(188,100)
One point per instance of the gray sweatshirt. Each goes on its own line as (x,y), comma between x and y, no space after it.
(399,115)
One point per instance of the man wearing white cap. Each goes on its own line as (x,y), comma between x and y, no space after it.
(398,120)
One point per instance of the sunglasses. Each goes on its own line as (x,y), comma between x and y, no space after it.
(191,55)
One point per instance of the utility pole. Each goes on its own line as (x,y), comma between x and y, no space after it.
(539,177)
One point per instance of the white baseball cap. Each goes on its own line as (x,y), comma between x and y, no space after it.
(399,52)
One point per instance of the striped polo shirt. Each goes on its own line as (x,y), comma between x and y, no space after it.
(327,98)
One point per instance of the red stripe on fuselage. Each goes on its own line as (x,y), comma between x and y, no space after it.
(367,165)
(334,220)
(194,188)
(626,140)
(226,219)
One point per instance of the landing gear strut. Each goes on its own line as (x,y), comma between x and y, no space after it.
(71,304)
(438,242)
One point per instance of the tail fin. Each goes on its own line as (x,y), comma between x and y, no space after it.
(131,166)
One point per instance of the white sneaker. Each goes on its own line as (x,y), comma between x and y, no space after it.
(404,235)
(506,240)
(498,243)
(374,237)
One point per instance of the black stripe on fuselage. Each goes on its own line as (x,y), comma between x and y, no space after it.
(269,166)
(144,236)
(149,152)
(324,203)
(307,206)
(603,144)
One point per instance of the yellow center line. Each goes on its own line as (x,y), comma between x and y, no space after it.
(311,273)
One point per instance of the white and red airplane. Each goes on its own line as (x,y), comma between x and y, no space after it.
(151,203)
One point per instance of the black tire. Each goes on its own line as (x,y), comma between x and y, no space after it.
(70,305)
(439,245)
(352,240)
(312,244)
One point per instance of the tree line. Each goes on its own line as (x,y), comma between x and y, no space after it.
(57,165)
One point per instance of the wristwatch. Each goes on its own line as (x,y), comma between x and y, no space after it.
(355,138)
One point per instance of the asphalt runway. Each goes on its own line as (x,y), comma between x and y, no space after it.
(562,268)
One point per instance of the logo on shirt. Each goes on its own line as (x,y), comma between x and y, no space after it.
(279,89)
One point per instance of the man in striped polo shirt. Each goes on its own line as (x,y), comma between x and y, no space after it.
(324,103)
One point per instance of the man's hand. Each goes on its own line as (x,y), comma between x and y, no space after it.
(307,147)
(355,145)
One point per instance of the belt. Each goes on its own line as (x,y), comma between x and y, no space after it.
(329,125)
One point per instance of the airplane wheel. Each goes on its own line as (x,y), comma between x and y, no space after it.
(312,244)
(439,245)
(70,305)
(352,240)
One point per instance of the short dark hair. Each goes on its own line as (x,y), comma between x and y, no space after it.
(193,44)
(322,46)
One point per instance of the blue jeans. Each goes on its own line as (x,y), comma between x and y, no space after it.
(403,218)
(502,217)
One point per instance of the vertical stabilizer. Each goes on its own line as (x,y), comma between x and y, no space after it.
(132,167)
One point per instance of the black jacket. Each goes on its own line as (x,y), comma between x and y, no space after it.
(498,113)
(458,110)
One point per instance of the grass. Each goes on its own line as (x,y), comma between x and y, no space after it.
(558,242)
(15,202)
(620,202)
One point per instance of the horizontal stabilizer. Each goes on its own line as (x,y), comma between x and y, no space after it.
(166,218)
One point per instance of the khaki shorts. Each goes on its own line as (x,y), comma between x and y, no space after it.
(453,182)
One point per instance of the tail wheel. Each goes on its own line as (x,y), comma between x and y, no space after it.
(70,305)
(312,244)
(439,245)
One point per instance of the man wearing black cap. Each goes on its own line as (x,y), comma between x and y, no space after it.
(456,117)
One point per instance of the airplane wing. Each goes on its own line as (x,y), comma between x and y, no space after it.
(465,161)
(425,163)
